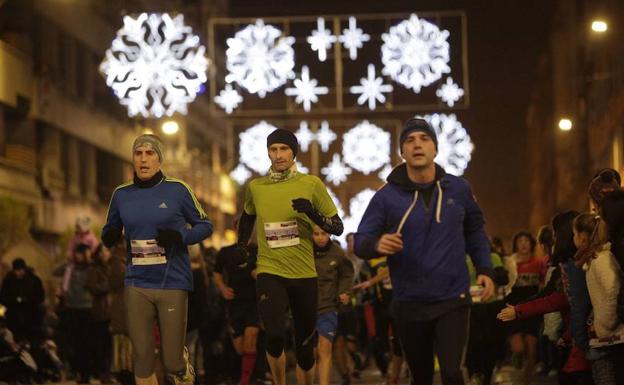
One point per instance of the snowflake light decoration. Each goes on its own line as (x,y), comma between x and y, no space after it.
(228,99)
(321,39)
(371,88)
(454,144)
(301,168)
(304,136)
(383,174)
(366,147)
(325,136)
(155,65)
(336,172)
(336,202)
(353,38)
(357,207)
(252,147)
(306,90)
(259,58)
(415,53)
(240,174)
(450,92)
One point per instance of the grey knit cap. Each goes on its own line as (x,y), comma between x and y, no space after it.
(149,140)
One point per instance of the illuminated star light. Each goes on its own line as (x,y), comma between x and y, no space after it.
(228,99)
(353,38)
(155,66)
(336,172)
(371,88)
(304,136)
(305,89)
(240,174)
(366,147)
(259,58)
(450,92)
(415,53)
(325,136)
(321,39)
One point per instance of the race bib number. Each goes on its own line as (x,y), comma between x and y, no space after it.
(147,252)
(281,234)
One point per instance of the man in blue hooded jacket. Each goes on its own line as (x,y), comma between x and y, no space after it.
(426,221)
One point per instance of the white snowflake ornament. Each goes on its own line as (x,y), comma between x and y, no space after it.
(353,38)
(383,174)
(325,136)
(336,172)
(449,92)
(155,65)
(366,147)
(321,39)
(304,136)
(240,174)
(228,99)
(301,168)
(259,58)
(415,53)
(454,144)
(252,150)
(371,89)
(306,90)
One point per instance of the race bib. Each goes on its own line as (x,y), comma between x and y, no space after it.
(281,234)
(147,252)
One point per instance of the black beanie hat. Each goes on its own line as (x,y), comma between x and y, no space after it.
(19,263)
(283,136)
(417,124)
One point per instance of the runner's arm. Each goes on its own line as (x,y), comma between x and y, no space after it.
(201,227)
(245,228)
(332,225)
(112,229)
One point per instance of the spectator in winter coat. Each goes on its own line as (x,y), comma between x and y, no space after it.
(22,294)
(569,298)
(99,285)
(335,278)
(604,282)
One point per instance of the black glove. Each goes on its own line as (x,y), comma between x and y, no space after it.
(302,205)
(111,236)
(168,237)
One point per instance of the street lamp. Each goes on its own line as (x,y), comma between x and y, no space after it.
(170,127)
(599,26)
(565,124)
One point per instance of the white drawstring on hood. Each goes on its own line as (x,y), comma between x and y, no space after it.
(413,204)
(439,204)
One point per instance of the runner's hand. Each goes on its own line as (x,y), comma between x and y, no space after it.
(111,236)
(168,237)
(390,244)
(488,287)
(228,293)
(344,298)
(302,205)
(507,314)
